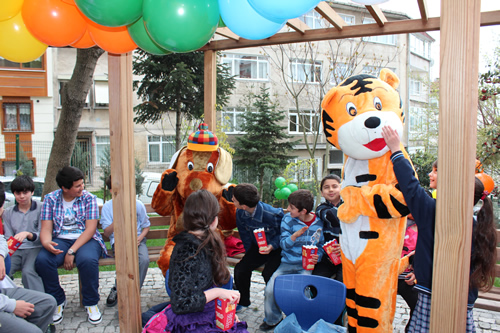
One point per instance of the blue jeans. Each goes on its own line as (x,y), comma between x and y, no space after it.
(271,310)
(87,262)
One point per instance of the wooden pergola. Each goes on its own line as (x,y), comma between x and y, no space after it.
(459,57)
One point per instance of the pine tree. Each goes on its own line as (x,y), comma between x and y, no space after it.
(175,83)
(265,144)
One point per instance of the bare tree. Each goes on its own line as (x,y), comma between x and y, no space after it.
(73,96)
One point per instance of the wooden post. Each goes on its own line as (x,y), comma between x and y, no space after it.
(460,22)
(210,89)
(123,189)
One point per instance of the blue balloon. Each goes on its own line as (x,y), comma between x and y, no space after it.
(278,10)
(244,21)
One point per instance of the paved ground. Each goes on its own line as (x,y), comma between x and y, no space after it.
(153,292)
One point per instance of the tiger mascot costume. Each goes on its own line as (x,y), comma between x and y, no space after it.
(373,215)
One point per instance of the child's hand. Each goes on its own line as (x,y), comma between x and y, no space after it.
(268,250)
(20,237)
(336,248)
(232,295)
(299,233)
(391,138)
(314,258)
(410,279)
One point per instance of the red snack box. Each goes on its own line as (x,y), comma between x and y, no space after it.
(260,236)
(13,245)
(307,252)
(225,313)
(328,247)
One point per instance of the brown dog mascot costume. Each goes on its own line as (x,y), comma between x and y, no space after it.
(202,164)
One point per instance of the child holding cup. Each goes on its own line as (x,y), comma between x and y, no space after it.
(298,228)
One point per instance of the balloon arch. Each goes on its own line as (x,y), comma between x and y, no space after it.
(120,26)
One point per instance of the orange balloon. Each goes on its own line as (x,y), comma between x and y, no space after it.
(487,181)
(85,42)
(70,2)
(113,40)
(53,22)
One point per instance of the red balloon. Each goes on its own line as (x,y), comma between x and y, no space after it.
(487,181)
(85,42)
(113,40)
(53,22)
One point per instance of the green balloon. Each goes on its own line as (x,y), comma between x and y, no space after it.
(111,13)
(277,194)
(292,187)
(181,25)
(285,192)
(280,182)
(221,23)
(140,36)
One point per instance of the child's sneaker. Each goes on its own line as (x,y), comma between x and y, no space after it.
(94,314)
(58,314)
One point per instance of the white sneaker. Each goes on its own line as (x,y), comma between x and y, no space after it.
(94,314)
(58,314)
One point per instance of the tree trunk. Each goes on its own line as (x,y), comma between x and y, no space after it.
(73,96)
(261,183)
(178,121)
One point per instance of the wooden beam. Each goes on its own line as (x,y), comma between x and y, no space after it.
(422,5)
(297,25)
(459,62)
(210,86)
(121,128)
(224,31)
(350,31)
(329,14)
(377,15)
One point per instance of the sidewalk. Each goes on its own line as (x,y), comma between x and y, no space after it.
(153,292)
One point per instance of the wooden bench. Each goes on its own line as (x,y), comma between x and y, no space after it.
(491,299)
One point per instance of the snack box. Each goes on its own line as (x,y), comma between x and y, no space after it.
(13,245)
(307,252)
(328,247)
(225,313)
(260,236)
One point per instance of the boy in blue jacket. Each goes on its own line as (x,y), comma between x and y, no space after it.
(253,214)
(297,229)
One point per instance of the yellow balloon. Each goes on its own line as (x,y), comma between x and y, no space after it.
(16,42)
(9,8)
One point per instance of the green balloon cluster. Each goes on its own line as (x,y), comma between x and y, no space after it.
(283,190)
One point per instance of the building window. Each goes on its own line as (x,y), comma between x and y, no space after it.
(336,156)
(314,20)
(248,67)
(383,39)
(17,117)
(415,87)
(161,148)
(419,46)
(304,169)
(101,144)
(375,70)
(232,119)
(35,64)
(349,19)
(305,70)
(101,94)
(307,121)
(416,119)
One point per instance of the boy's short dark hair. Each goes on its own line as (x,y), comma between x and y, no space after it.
(22,183)
(302,199)
(330,176)
(246,194)
(2,194)
(67,176)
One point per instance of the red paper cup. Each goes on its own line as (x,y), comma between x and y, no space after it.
(13,245)
(307,252)
(328,247)
(260,236)
(225,313)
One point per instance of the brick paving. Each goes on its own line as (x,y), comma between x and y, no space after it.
(153,292)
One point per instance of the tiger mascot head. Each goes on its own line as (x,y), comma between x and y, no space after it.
(355,111)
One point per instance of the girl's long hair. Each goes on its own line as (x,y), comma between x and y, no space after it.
(484,242)
(200,210)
